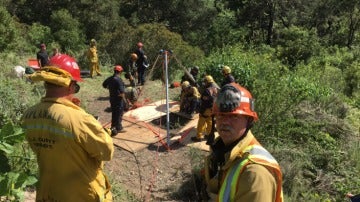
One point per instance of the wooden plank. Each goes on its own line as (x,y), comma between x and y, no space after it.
(152,111)
(140,133)
(188,131)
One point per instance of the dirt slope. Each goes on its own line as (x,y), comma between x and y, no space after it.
(154,173)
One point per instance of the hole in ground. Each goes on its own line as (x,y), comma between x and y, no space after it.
(175,121)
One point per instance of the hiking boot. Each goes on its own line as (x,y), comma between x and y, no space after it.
(113,132)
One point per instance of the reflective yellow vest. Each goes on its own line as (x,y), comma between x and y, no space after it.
(258,155)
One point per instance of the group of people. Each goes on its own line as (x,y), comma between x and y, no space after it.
(199,98)
(238,168)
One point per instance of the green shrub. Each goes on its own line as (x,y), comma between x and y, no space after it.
(18,168)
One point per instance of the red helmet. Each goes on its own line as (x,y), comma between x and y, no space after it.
(118,68)
(234,99)
(139,44)
(68,64)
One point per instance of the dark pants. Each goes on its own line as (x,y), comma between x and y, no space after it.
(141,75)
(117,111)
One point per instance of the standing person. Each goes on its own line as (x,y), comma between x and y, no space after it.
(239,168)
(70,144)
(117,99)
(192,76)
(42,56)
(207,98)
(228,78)
(93,58)
(131,72)
(140,63)
(55,52)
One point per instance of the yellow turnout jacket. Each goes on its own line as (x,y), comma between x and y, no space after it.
(70,146)
(92,54)
(250,173)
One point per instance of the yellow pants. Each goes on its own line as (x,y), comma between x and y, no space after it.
(94,67)
(204,124)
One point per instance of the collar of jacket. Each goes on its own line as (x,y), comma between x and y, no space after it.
(62,101)
(237,151)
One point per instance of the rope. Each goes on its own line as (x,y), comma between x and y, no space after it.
(157,133)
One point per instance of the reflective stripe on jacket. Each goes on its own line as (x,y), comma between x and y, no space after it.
(259,155)
(70,146)
(247,161)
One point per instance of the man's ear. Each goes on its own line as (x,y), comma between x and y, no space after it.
(74,88)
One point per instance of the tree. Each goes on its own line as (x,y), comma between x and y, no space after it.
(8,31)
(66,30)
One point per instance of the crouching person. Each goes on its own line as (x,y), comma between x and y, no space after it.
(238,167)
(70,144)
(189,99)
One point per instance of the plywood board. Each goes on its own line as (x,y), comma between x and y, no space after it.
(152,111)
(140,133)
(188,131)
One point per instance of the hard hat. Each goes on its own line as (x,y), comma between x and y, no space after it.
(68,64)
(209,79)
(196,68)
(226,70)
(92,41)
(139,44)
(118,68)
(133,56)
(234,99)
(185,84)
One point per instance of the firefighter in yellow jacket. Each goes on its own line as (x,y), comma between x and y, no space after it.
(207,98)
(93,58)
(70,144)
(189,99)
(239,168)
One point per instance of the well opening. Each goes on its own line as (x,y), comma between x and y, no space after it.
(175,121)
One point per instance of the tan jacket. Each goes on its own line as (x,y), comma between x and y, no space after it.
(257,183)
(70,146)
(92,54)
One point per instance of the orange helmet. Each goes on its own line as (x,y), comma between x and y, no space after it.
(118,68)
(234,99)
(139,45)
(68,64)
